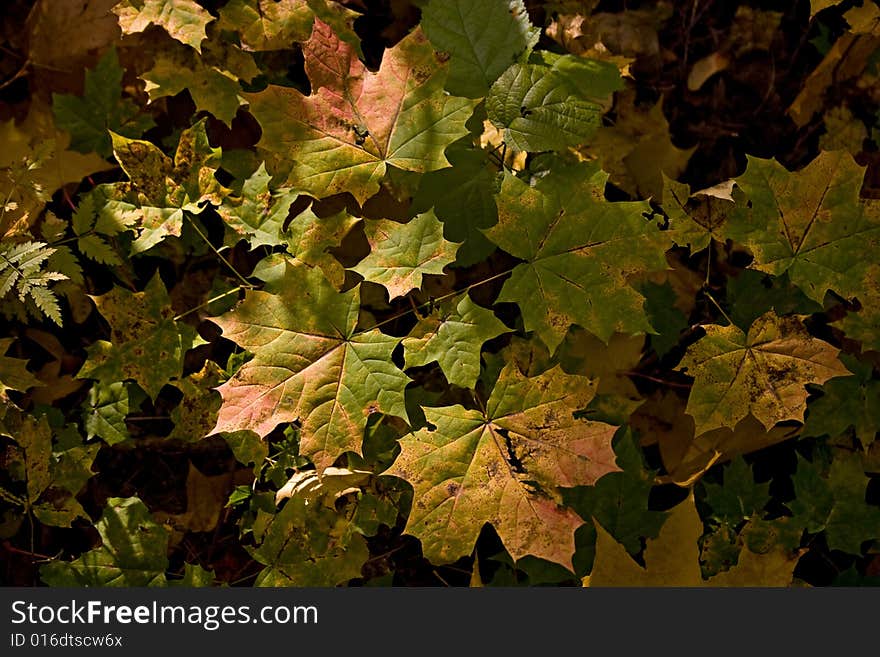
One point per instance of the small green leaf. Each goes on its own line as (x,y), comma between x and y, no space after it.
(740,497)
(402,253)
(453,337)
(133,551)
(147,344)
(483,39)
(105,414)
(258,215)
(847,402)
(184,20)
(100,109)
(309,545)
(552,104)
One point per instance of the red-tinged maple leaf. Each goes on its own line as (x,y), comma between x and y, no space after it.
(355,123)
(503,465)
(309,366)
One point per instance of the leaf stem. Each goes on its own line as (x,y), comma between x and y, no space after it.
(717,305)
(431,301)
(210,301)
(245,283)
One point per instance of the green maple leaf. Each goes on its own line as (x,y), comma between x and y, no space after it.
(310,365)
(133,551)
(694,219)
(845,403)
(268,24)
(864,325)
(483,39)
(309,545)
(69,469)
(552,102)
(579,251)
(453,337)
(835,503)
(503,466)
(258,215)
(355,123)
(400,254)
(751,292)
(212,88)
(763,372)
(309,239)
(619,500)
(810,223)
(100,109)
(14,374)
(196,414)
(105,414)
(163,189)
(740,497)
(34,437)
(472,206)
(147,345)
(277,24)
(184,20)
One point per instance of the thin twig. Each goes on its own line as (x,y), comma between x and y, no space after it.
(210,301)
(245,283)
(718,306)
(20,73)
(434,300)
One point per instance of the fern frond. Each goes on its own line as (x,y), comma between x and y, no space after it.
(21,269)
(47,302)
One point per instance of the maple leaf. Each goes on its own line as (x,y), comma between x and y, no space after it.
(146,345)
(163,189)
(579,251)
(864,325)
(309,239)
(100,109)
(847,402)
(268,24)
(133,551)
(551,102)
(503,465)
(479,56)
(197,413)
(182,19)
(14,374)
(763,372)
(453,337)
(637,150)
(309,545)
(695,219)
(471,208)
(810,223)
(400,254)
(673,559)
(835,503)
(739,497)
(276,24)
(212,79)
(310,365)
(258,215)
(355,123)
(105,414)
